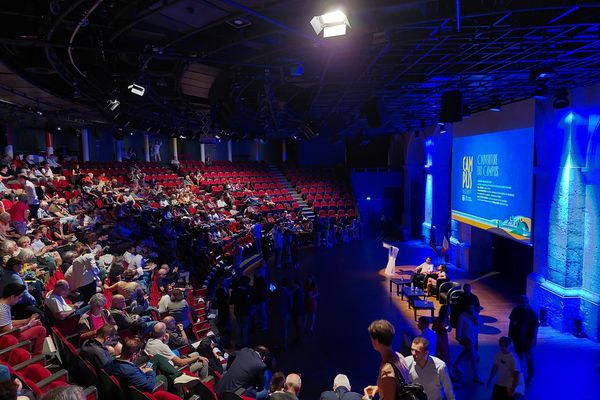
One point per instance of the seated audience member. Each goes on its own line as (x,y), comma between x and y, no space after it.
(177,335)
(27,304)
(123,319)
(341,390)
(179,309)
(66,392)
(27,329)
(11,389)
(95,318)
(277,383)
(157,345)
(96,351)
(431,287)
(245,370)
(429,371)
(58,307)
(125,369)
(292,387)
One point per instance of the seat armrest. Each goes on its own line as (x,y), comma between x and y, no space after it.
(159,386)
(7,350)
(55,376)
(32,360)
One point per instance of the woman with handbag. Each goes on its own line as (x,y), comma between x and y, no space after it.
(382,334)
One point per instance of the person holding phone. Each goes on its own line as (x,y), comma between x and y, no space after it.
(27,329)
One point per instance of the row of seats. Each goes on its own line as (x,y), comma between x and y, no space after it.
(32,370)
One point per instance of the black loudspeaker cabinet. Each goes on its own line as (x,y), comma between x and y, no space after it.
(452,106)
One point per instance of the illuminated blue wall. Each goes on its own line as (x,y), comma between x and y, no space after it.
(566,277)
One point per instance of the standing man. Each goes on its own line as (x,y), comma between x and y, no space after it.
(507,367)
(523,330)
(156,151)
(32,198)
(429,371)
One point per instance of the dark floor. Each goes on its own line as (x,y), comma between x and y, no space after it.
(352,294)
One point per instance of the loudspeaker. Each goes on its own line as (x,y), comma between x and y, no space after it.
(371,111)
(452,106)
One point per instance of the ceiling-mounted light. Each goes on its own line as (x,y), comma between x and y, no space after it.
(495,104)
(136,89)
(113,104)
(561,100)
(332,24)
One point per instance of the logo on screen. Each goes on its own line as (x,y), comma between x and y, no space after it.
(467,172)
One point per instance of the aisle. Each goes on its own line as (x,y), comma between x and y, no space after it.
(352,294)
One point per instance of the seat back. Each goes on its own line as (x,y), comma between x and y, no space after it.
(110,388)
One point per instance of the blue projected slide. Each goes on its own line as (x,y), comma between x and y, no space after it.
(492,182)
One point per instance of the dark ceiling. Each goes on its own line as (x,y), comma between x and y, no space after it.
(272,76)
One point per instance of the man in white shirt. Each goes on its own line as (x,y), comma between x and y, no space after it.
(58,306)
(429,371)
(426,267)
(157,344)
(83,274)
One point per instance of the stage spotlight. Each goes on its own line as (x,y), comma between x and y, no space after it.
(113,104)
(332,24)
(495,104)
(136,89)
(561,100)
(540,91)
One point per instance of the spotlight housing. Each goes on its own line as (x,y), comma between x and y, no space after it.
(540,92)
(331,24)
(136,89)
(113,104)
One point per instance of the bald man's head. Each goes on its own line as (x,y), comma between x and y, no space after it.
(159,330)
(293,383)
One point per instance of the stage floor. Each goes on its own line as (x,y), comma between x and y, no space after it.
(352,293)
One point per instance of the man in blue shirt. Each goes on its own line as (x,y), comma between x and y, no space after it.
(129,374)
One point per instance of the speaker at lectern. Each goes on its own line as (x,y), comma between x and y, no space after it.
(390,268)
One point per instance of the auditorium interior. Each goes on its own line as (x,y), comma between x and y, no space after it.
(298,199)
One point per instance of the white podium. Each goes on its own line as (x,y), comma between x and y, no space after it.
(390,268)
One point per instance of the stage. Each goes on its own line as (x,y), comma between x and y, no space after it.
(353,292)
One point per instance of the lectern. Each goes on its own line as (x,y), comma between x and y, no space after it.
(390,268)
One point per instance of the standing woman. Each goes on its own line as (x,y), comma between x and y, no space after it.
(441,326)
(311,292)
(382,334)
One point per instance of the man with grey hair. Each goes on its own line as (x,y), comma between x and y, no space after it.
(429,371)
(157,345)
(292,386)
(341,390)
(57,305)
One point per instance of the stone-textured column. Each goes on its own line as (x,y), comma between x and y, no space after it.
(229,151)
(562,219)
(85,145)
(49,144)
(174,148)
(119,150)
(146,147)
(202,152)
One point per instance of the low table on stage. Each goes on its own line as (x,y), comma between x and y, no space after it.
(412,294)
(423,305)
(400,284)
